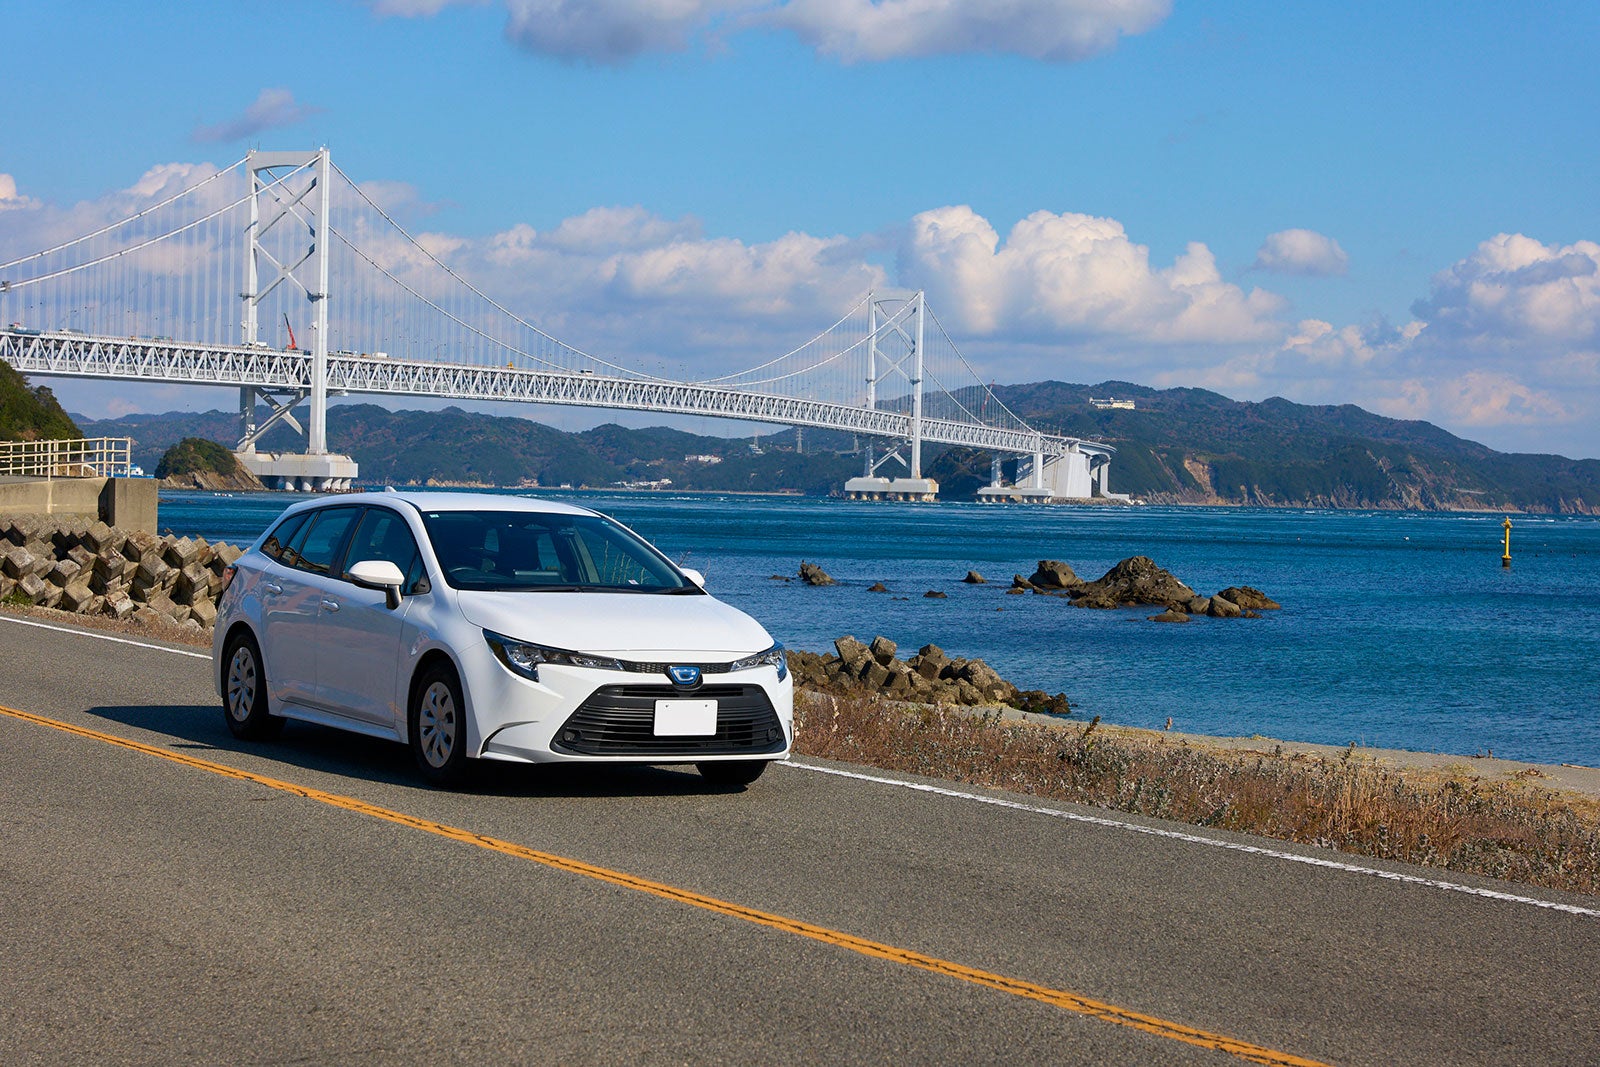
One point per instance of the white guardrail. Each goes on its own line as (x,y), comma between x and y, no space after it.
(89,457)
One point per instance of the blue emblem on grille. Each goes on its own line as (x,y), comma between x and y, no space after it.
(688,676)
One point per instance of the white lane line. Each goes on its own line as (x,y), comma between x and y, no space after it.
(105,637)
(1093,820)
(1196,839)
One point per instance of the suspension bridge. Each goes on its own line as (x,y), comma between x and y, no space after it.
(186,290)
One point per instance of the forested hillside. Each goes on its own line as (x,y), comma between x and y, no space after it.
(1178,445)
(31,413)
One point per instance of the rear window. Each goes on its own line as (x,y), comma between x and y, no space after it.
(315,547)
(281,535)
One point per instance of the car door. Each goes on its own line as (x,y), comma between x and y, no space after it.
(360,648)
(297,586)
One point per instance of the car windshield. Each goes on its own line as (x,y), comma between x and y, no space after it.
(540,552)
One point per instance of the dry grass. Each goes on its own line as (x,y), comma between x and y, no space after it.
(1513,830)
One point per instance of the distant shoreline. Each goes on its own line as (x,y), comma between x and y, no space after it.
(796,494)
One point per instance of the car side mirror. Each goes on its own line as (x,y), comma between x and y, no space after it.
(694,576)
(378,574)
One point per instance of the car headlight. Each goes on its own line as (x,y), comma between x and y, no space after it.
(524,657)
(772,657)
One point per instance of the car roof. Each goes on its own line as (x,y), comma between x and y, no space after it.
(424,501)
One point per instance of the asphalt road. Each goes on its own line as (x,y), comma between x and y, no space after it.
(154,911)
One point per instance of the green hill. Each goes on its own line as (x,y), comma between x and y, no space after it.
(1196,446)
(1178,445)
(456,447)
(196,455)
(31,413)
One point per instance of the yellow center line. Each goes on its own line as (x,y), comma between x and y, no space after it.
(1060,998)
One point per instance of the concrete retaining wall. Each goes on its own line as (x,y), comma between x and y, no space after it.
(129,503)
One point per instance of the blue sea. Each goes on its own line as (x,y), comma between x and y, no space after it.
(1398,629)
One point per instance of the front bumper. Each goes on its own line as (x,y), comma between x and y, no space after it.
(583,715)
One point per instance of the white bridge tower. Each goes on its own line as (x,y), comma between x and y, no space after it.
(895,321)
(288,245)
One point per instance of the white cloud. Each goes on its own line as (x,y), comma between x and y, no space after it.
(623,276)
(612,31)
(1053,30)
(1507,343)
(1302,252)
(1074,276)
(1514,290)
(10,200)
(615,31)
(272,109)
(399,198)
(616,229)
(1478,399)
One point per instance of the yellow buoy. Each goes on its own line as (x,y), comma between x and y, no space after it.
(1505,560)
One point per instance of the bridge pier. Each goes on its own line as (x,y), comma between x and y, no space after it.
(323,473)
(1077,474)
(872,488)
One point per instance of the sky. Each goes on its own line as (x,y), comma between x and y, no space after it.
(1390,205)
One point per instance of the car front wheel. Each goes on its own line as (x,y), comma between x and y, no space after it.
(244,691)
(439,726)
(732,772)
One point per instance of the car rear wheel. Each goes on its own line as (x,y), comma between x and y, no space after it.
(439,726)
(732,772)
(244,691)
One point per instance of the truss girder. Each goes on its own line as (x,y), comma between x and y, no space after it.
(137,359)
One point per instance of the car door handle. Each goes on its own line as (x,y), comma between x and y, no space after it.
(272,587)
(330,605)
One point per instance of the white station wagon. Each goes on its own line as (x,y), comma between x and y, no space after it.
(476,626)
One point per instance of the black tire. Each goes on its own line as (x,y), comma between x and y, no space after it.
(437,726)
(244,690)
(732,772)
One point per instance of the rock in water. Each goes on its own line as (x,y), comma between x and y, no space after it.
(812,574)
(877,587)
(1223,608)
(1053,574)
(1136,580)
(933,594)
(974,578)
(1249,599)
(1169,615)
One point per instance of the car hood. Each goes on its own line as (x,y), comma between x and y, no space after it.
(629,625)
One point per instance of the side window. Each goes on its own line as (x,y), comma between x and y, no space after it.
(316,548)
(385,535)
(274,545)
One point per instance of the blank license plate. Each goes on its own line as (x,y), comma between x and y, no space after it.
(686,718)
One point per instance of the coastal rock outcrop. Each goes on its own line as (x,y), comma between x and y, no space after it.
(1136,580)
(930,676)
(196,463)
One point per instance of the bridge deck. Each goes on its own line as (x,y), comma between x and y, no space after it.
(77,355)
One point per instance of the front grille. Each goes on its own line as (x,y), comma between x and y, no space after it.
(645,667)
(619,720)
